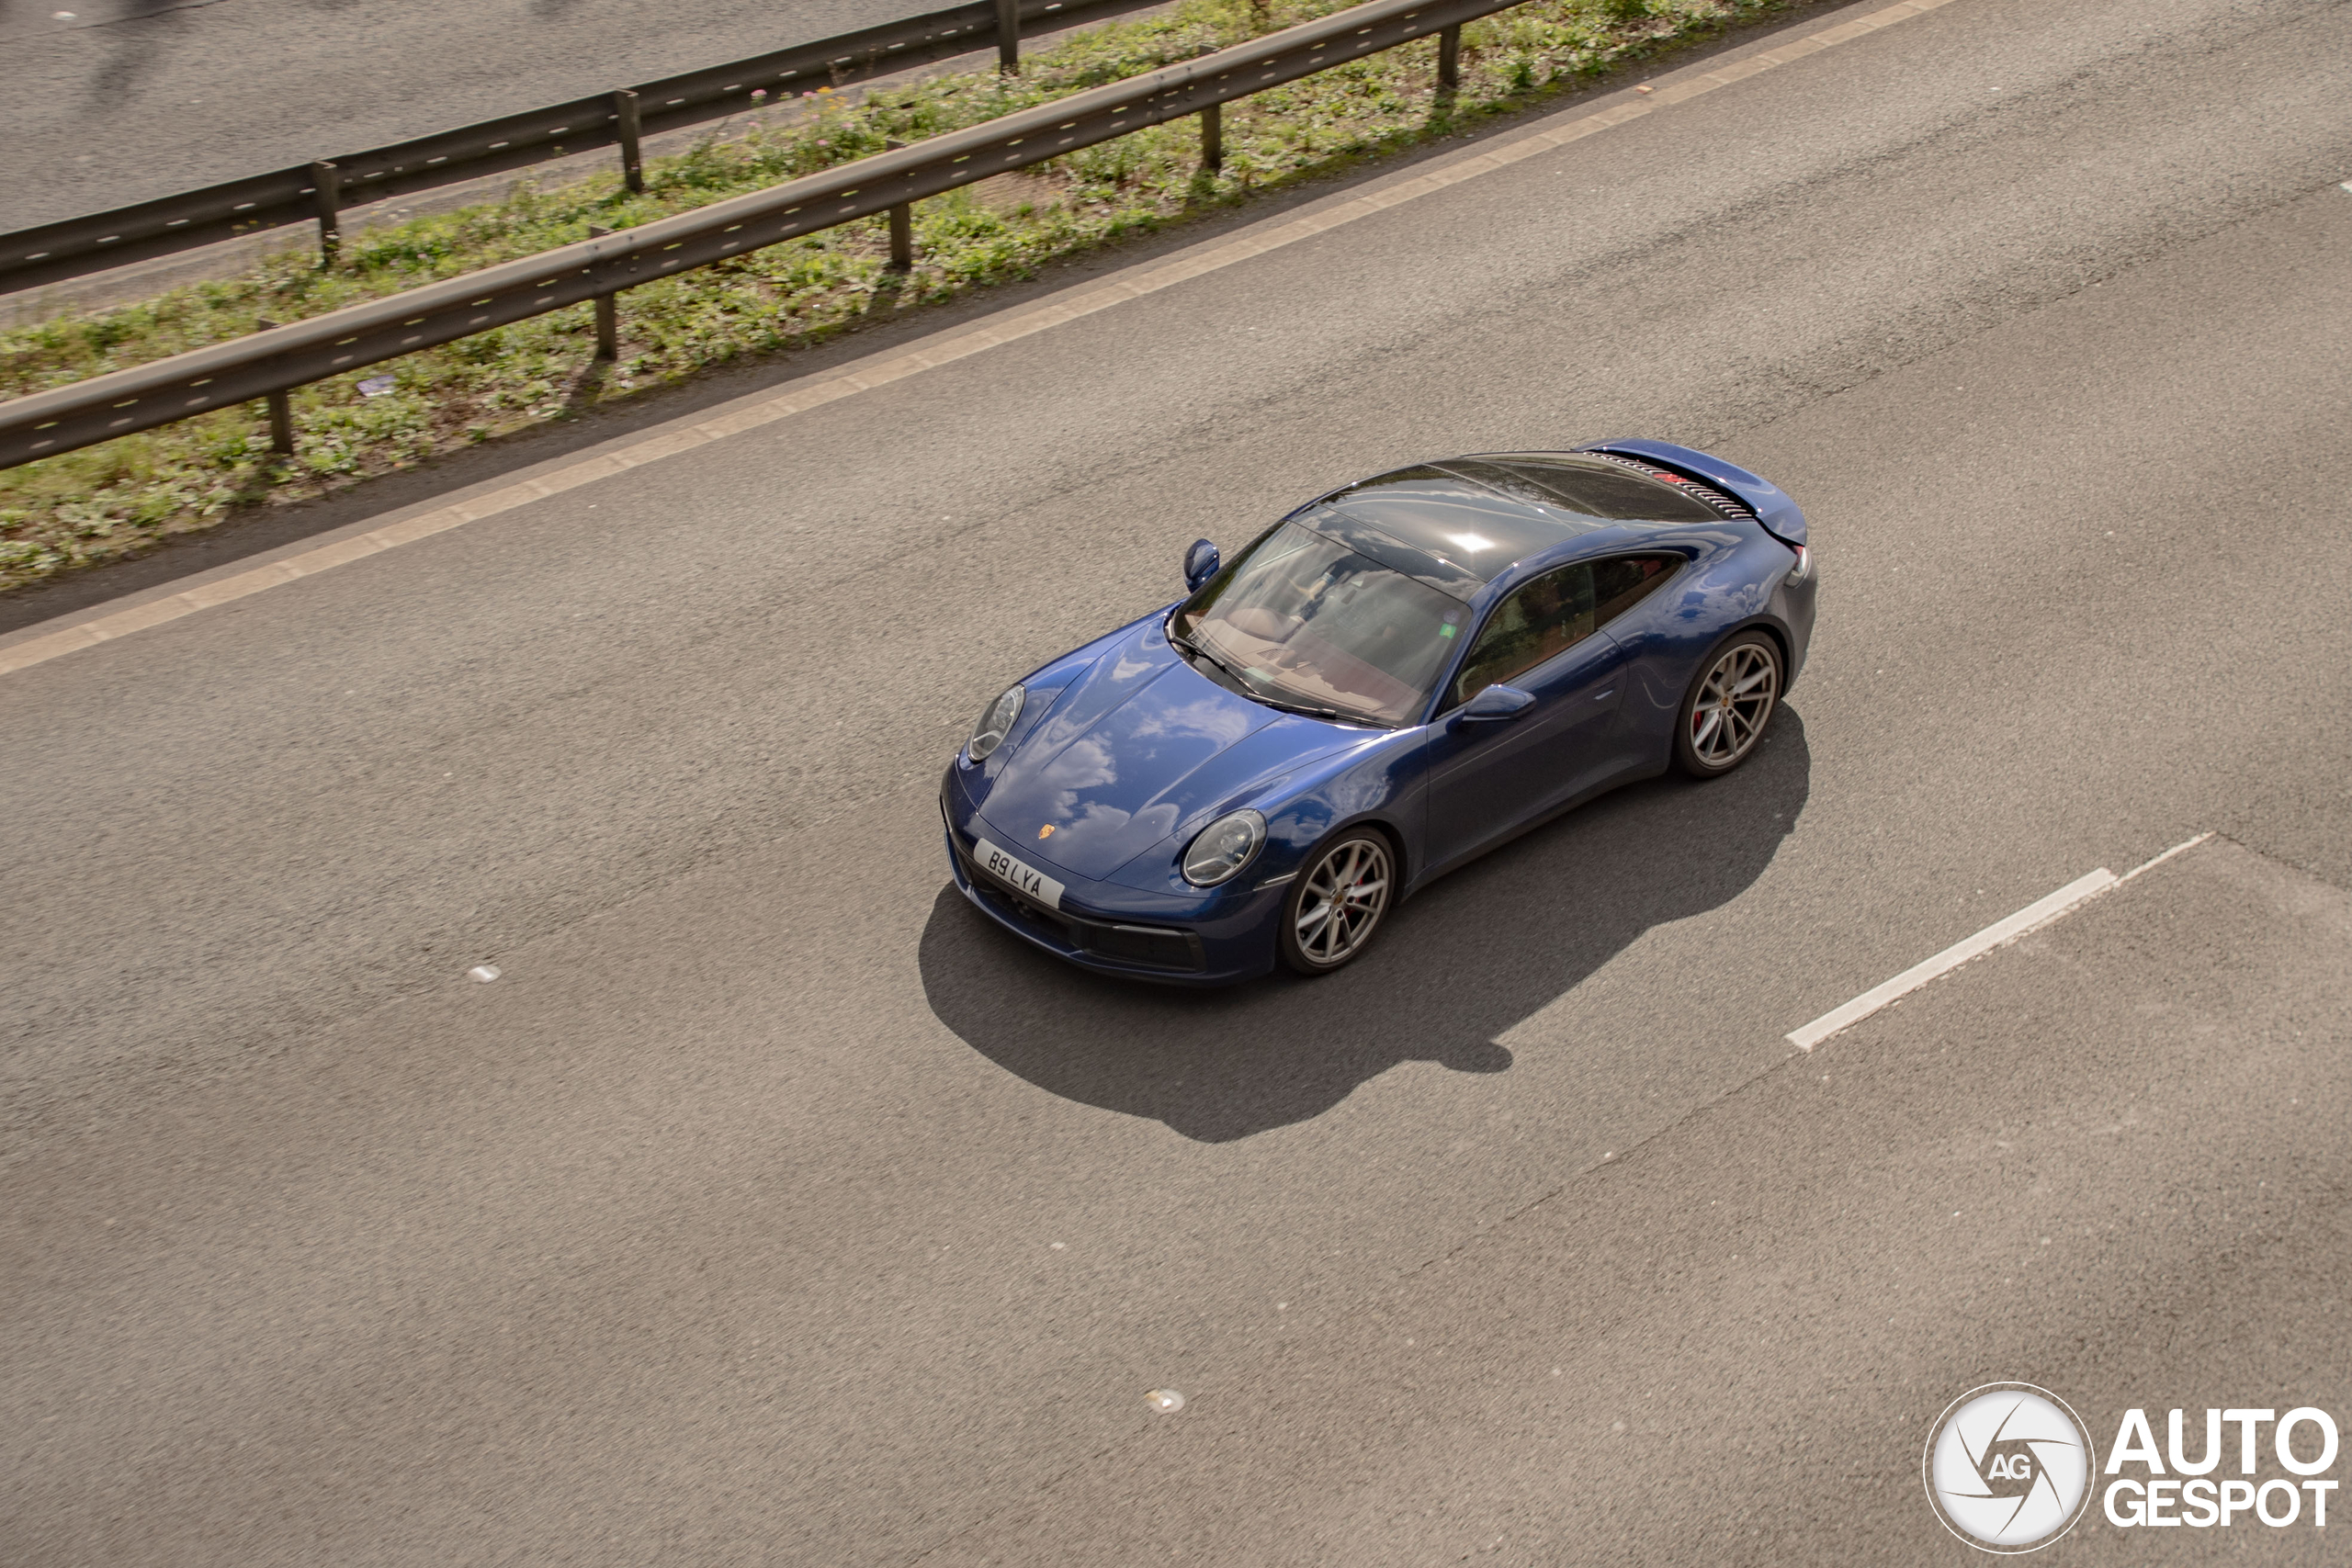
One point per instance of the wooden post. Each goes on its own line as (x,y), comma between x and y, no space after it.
(1449,58)
(609,311)
(1213,138)
(281,412)
(625,129)
(1008,35)
(326,200)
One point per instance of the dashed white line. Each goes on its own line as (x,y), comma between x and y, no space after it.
(2040,912)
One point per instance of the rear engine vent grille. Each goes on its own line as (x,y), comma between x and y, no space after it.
(1697,490)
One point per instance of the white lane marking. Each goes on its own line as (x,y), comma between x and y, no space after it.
(2036,913)
(2040,912)
(2152,865)
(951,347)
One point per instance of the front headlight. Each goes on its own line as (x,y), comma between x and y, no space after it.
(1223,848)
(996,723)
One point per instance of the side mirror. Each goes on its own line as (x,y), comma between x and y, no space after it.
(1494,705)
(1200,564)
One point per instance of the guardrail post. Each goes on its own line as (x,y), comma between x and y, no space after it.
(1449,58)
(1213,138)
(902,237)
(903,224)
(326,200)
(609,311)
(281,411)
(625,129)
(1008,35)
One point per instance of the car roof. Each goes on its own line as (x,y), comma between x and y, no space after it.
(1473,518)
(1473,527)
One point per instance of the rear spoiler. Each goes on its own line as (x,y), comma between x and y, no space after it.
(1773,509)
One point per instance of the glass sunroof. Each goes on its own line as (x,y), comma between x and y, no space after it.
(1476,526)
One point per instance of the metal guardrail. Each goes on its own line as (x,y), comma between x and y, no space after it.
(268,363)
(322,191)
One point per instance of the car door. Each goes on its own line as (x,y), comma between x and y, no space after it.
(1488,778)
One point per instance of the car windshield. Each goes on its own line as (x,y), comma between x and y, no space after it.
(1302,619)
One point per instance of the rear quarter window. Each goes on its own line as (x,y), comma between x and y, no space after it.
(1623,582)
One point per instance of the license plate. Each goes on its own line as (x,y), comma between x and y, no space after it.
(1026,880)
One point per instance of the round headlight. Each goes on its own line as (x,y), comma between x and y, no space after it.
(996,723)
(1223,848)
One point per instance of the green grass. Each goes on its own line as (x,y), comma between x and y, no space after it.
(116,498)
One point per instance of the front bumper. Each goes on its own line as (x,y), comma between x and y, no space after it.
(1223,936)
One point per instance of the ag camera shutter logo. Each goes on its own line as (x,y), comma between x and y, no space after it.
(2008,1467)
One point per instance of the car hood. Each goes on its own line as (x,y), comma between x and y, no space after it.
(1136,748)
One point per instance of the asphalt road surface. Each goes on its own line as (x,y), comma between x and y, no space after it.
(774,1207)
(118,101)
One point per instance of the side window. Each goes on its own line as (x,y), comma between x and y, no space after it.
(1542,618)
(1618,585)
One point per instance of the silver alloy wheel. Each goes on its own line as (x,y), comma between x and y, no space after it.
(1345,896)
(1734,700)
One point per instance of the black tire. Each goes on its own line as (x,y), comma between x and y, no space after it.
(1333,880)
(1731,702)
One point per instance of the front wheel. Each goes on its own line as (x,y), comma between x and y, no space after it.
(1724,715)
(1337,902)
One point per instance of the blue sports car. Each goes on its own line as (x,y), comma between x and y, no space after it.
(1395,678)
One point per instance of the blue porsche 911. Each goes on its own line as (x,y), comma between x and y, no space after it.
(1394,679)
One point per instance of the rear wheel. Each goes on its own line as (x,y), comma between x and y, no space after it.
(1337,901)
(1735,696)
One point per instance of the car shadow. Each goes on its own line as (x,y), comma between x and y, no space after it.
(1459,964)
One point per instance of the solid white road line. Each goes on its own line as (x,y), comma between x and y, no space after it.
(957,343)
(2152,865)
(2040,912)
